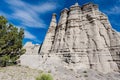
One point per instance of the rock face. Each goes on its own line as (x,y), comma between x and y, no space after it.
(31,48)
(49,39)
(31,57)
(84,38)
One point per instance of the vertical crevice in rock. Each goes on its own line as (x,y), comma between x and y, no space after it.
(107,46)
(40,48)
(88,52)
(96,47)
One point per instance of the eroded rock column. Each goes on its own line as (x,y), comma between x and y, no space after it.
(49,39)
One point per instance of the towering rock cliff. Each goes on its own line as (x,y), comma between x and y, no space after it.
(83,37)
(49,39)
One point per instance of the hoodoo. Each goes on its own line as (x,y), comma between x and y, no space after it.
(83,38)
(49,39)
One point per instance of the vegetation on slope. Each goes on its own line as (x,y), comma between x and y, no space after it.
(10,42)
(44,77)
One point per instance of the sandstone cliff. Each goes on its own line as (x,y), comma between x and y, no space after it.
(83,37)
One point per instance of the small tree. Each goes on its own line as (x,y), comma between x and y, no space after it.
(44,77)
(10,42)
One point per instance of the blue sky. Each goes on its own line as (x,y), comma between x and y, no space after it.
(35,15)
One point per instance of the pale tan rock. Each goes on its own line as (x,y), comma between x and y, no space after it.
(18,73)
(48,42)
(31,49)
(83,38)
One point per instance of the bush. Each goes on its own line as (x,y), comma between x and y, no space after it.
(44,77)
(6,61)
(10,43)
(3,60)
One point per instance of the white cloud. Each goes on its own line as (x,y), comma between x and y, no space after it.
(29,14)
(42,8)
(28,35)
(32,37)
(16,3)
(28,19)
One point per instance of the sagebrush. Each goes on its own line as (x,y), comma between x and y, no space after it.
(44,77)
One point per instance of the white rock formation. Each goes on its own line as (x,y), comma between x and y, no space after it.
(83,38)
(31,48)
(31,57)
(47,45)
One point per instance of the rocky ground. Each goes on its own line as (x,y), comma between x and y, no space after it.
(25,73)
(85,74)
(18,73)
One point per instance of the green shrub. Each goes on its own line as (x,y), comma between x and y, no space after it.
(3,60)
(10,43)
(6,61)
(44,77)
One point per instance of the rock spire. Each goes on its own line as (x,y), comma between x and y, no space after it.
(48,42)
(84,37)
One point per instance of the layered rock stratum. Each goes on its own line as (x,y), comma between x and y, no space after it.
(83,38)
